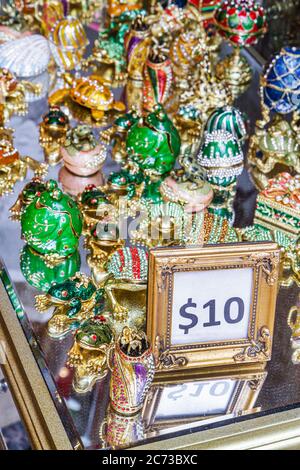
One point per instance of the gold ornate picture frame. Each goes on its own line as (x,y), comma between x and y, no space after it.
(246,273)
(201,400)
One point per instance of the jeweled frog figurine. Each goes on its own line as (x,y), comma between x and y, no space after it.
(35,187)
(39,274)
(52,223)
(81,152)
(102,241)
(153,144)
(128,270)
(75,301)
(88,354)
(53,131)
(94,206)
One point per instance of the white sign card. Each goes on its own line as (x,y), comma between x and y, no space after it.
(211,305)
(196,399)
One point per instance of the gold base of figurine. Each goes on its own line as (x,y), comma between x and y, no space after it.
(235,71)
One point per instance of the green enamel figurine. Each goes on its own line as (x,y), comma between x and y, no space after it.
(52,223)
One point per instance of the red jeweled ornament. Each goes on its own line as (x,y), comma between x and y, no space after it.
(242,22)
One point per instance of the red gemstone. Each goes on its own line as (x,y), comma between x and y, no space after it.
(64,293)
(232,11)
(94,337)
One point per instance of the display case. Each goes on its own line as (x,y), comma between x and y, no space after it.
(252,407)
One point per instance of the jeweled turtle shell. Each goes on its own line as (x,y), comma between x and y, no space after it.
(92,93)
(129,264)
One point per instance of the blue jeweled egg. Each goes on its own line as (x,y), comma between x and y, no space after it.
(281,82)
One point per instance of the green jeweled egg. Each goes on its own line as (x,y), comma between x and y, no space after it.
(221,157)
(38,274)
(52,222)
(154,143)
(227,118)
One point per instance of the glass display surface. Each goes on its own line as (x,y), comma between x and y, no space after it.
(171,409)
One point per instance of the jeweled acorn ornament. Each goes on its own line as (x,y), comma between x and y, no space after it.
(242,23)
(222,159)
(82,154)
(153,144)
(275,146)
(39,274)
(88,355)
(52,223)
(53,131)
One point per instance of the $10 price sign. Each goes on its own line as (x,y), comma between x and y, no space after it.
(212,306)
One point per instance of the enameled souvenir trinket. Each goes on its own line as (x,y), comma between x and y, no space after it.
(13,167)
(13,94)
(195,196)
(42,276)
(52,223)
(81,153)
(108,57)
(230,119)
(137,46)
(222,159)
(278,206)
(128,267)
(27,195)
(153,144)
(277,218)
(90,93)
(119,432)
(26,57)
(133,371)
(158,80)
(68,42)
(53,131)
(275,145)
(88,354)
(74,300)
(242,23)
(94,206)
(116,8)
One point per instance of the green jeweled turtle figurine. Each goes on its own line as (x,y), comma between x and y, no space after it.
(52,223)
(153,143)
(75,300)
(88,355)
(40,275)
(222,159)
